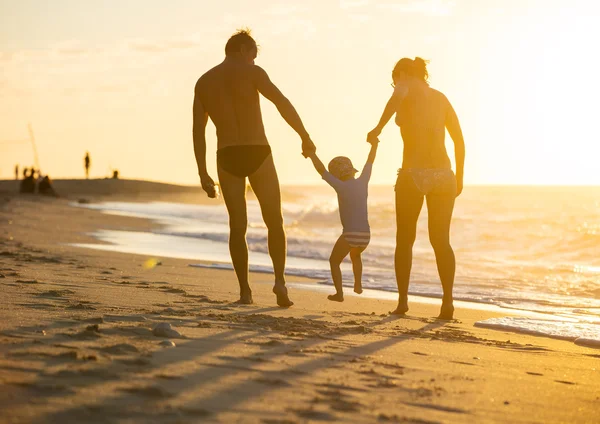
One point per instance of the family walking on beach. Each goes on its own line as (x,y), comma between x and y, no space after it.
(229,95)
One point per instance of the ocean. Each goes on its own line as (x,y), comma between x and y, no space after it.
(534,249)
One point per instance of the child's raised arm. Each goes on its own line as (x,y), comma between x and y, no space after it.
(317,163)
(365,175)
(373,151)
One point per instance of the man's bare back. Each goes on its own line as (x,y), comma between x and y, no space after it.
(229,93)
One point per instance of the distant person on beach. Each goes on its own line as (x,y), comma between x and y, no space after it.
(46,188)
(87,162)
(423,115)
(229,95)
(352,199)
(27,185)
(16,172)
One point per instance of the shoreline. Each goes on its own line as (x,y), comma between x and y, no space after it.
(76,344)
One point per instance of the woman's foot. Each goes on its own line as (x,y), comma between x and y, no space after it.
(338,297)
(358,288)
(447,311)
(281,292)
(245,298)
(402,307)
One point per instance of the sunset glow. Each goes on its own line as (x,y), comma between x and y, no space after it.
(117,79)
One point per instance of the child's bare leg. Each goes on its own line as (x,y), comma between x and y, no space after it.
(357,267)
(339,252)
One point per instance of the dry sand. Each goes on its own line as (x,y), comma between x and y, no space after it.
(76,342)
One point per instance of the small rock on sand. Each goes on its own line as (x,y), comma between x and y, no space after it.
(164,329)
(167,343)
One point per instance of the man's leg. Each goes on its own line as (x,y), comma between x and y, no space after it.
(339,252)
(234,194)
(409,201)
(265,185)
(357,267)
(439,208)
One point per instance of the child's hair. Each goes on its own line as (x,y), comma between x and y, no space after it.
(415,68)
(341,167)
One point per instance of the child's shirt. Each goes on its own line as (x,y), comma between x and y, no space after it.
(352,199)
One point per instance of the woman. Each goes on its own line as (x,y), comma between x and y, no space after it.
(423,114)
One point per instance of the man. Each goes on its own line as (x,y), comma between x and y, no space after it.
(229,95)
(86,162)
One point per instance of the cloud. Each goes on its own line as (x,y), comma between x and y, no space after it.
(282,10)
(421,7)
(350,4)
(149,46)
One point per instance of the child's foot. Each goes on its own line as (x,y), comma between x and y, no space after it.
(282,297)
(338,297)
(358,288)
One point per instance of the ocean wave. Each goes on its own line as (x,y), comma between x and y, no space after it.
(579,331)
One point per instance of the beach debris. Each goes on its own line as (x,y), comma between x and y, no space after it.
(151,263)
(164,329)
(83,201)
(167,343)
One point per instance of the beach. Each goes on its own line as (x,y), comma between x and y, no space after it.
(77,340)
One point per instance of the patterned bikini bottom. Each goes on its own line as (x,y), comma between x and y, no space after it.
(428,180)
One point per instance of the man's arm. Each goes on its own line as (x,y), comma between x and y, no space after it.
(456,134)
(199,135)
(285,108)
(317,163)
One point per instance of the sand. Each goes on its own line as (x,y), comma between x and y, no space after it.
(83,338)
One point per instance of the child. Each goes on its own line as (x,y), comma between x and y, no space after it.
(352,198)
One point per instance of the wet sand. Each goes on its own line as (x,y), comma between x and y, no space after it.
(79,343)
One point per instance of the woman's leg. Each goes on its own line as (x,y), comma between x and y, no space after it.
(440,207)
(357,267)
(409,201)
(339,252)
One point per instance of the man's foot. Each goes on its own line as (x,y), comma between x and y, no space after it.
(358,288)
(402,308)
(447,311)
(245,299)
(282,297)
(338,297)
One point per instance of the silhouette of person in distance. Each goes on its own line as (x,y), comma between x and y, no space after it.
(87,163)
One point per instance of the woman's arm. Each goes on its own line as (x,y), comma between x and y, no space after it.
(391,107)
(456,134)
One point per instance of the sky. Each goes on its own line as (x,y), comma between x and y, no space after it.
(116,78)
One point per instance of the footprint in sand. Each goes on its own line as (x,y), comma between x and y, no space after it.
(120,349)
(56,293)
(311,414)
(156,392)
(273,382)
